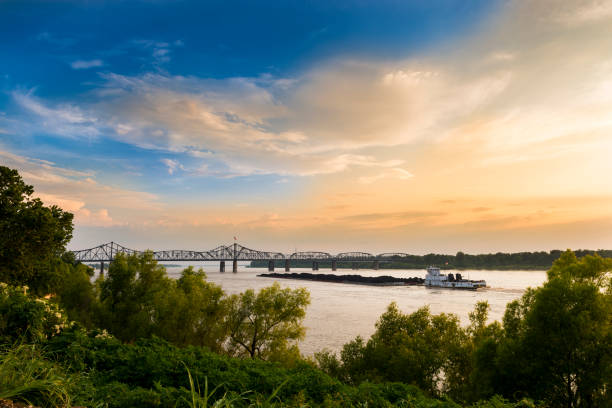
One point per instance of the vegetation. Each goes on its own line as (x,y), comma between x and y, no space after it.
(142,339)
(554,344)
(263,325)
(25,375)
(32,236)
(541,260)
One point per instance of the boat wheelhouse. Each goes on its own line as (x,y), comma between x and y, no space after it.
(435,279)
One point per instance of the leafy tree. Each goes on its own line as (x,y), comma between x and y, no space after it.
(77,294)
(193,311)
(130,296)
(263,325)
(557,338)
(32,236)
(414,348)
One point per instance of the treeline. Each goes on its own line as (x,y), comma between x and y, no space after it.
(541,260)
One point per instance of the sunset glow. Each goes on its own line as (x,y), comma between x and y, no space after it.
(415,128)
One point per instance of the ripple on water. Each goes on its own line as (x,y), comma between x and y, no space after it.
(339,312)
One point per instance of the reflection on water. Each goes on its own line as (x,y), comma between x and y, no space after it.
(339,312)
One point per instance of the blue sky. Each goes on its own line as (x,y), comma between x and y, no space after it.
(233,115)
(59,51)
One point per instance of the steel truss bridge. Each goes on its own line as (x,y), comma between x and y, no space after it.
(234,253)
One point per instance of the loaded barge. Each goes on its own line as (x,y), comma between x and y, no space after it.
(434,279)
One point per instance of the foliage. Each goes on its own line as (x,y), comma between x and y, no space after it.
(138,300)
(414,348)
(25,375)
(152,373)
(24,317)
(32,236)
(193,312)
(557,340)
(554,345)
(130,294)
(77,295)
(263,325)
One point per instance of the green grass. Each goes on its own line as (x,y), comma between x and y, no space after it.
(27,377)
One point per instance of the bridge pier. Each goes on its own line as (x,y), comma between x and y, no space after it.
(271,265)
(376,265)
(315,266)
(334,265)
(287,265)
(235,265)
(354,265)
(102,269)
(222,266)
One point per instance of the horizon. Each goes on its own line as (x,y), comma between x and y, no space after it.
(479,126)
(321,250)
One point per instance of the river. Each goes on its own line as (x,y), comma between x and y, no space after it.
(339,312)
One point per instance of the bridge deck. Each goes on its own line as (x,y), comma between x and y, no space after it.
(107,252)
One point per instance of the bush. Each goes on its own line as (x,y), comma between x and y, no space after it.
(27,318)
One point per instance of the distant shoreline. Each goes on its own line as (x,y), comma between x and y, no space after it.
(528,261)
(365,267)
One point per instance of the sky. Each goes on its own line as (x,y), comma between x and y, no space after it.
(376,126)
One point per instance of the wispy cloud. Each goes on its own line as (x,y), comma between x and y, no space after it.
(172,165)
(64,119)
(86,64)
(93,203)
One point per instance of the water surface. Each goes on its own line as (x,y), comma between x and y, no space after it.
(339,312)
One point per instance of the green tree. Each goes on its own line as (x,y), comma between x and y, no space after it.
(77,294)
(130,296)
(557,342)
(193,311)
(32,236)
(265,324)
(414,348)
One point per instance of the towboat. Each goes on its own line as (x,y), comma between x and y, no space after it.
(435,279)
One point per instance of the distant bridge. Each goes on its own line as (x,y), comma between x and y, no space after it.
(234,253)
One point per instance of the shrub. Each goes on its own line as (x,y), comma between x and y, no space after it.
(27,318)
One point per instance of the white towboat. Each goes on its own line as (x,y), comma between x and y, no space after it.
(435,279)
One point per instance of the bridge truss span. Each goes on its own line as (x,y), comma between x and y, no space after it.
(234,253)
(310,255)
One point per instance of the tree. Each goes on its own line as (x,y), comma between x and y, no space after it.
(77,295)
(130,296)
(32,236)
(414,348)
(193,312)
(557,342)
(263,325)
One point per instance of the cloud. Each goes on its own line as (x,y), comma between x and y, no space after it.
(64,119)
(160,50)
(528,85)
(393,173)
(92,203)
(62,42)
(86,64)
(172,165)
